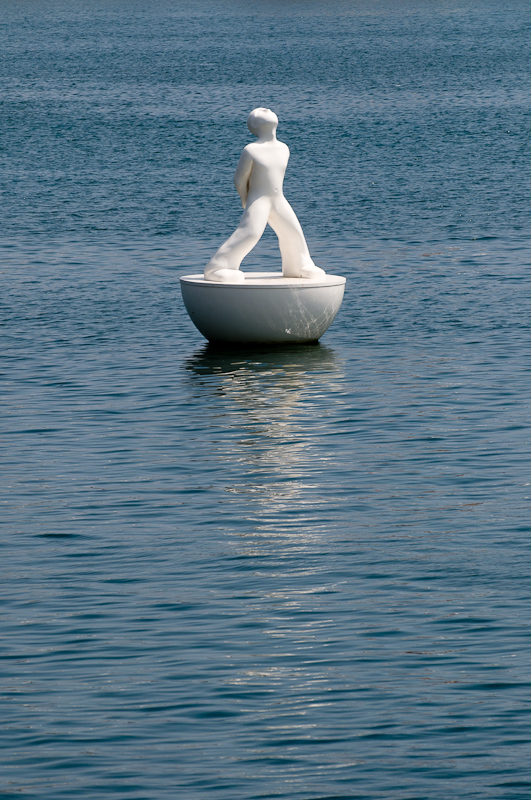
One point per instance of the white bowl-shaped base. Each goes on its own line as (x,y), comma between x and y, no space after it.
(265,307)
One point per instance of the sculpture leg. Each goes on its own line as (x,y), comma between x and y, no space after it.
(296,259)
(225,264)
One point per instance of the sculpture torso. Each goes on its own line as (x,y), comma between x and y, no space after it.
(269,162)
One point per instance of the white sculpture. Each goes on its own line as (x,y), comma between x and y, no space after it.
(296,305)
(258,179)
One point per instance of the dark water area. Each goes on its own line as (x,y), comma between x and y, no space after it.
(301,572)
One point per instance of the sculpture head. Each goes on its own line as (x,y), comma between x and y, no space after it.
(262,122)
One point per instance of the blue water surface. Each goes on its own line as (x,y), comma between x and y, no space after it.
(297,573)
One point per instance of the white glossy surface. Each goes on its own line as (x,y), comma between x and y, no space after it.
(265,307)
(259,181)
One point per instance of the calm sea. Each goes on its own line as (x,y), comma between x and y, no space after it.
(300,573)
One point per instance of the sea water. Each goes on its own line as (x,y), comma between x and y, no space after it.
(297,573)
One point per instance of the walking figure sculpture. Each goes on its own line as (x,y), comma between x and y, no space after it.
(258,179)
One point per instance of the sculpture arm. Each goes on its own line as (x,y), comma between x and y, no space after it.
(243,175)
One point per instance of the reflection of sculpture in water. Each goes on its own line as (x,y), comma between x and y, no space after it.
(273,411)
(258,179)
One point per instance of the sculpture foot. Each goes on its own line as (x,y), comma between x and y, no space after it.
(224,275)
(309,271)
